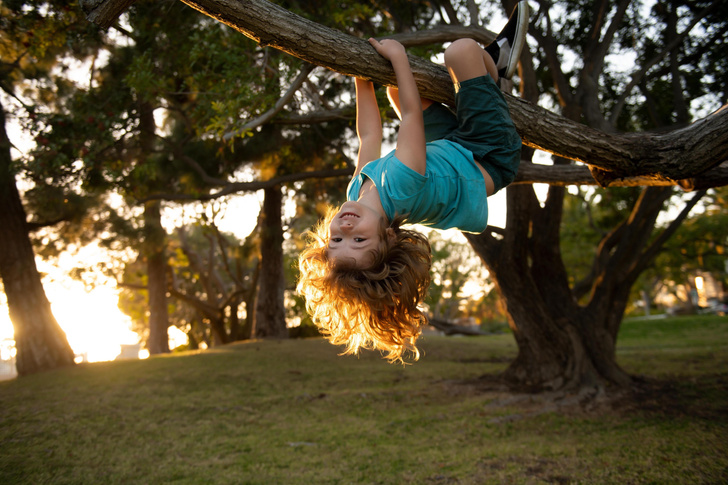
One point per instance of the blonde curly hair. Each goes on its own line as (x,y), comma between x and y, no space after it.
(374,307)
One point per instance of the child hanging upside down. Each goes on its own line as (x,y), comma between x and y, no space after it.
(362,274)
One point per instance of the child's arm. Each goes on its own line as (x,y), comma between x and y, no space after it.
(368,124)
(411,138)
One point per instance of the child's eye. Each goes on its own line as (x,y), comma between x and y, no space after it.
(360,239)
(335,239)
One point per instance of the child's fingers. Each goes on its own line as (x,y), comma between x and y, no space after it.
(375,43)
(385,48)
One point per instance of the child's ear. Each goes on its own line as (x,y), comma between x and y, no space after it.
(391,235)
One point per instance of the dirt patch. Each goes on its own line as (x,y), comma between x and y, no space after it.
(541,469)
(705,398)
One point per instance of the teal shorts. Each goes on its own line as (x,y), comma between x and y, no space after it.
(482,124)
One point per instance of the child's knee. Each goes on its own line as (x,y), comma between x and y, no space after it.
(461,48)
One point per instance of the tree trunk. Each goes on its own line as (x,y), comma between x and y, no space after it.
(560,346)
(154,252)
(155,244)
(236,327)
(249,298)
(270,316)
(220,335)
(40,342)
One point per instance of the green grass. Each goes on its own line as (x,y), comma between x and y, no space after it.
(295,412)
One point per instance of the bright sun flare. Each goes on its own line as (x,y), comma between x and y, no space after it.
(94,326)
(92,321)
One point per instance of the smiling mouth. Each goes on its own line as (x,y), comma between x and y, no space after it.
(347,215)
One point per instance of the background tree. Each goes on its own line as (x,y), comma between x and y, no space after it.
(564,344)
(141,127)
(162,114)
(699,247)
(457,274)
(213,280)
(36,36)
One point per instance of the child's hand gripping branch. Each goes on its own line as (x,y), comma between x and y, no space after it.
(411,136)
(363,276)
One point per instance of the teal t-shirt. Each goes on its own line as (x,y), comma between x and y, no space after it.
(450,194)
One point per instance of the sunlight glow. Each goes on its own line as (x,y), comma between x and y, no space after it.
(90,317)
(699,282)
(94,326)
(176,337)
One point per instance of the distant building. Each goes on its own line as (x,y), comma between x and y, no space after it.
(129,351)
(7,359)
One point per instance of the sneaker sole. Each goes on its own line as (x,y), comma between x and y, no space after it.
(519,41)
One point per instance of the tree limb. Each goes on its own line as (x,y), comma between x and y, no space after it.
(104,12)
(235,187)
(268,115)
(651,252)
(658,157)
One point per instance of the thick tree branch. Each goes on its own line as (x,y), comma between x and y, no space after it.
(663,157)
(659,158)
(104,12)
(280,104)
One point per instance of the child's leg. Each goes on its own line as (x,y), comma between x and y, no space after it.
(439,121)
(465,60)
(393,96)
(484,123)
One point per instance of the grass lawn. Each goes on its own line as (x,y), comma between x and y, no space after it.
(294,412)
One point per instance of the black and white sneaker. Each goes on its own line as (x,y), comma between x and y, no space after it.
(507,46)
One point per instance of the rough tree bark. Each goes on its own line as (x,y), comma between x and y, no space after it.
(270,318)
(40,342)
(154,250)
(154,247)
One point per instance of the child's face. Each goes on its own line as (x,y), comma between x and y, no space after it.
(354,233)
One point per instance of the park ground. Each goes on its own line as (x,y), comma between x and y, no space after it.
(295,412)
